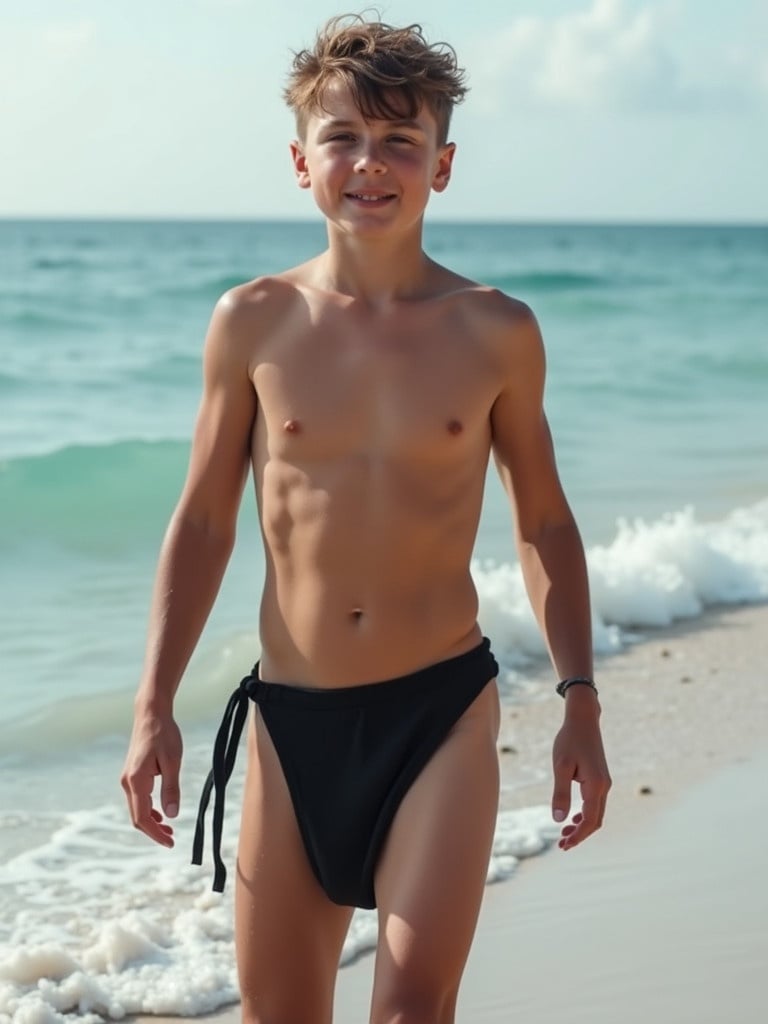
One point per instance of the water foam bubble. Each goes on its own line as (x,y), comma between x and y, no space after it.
(655,573)
(158,941)
(651,575)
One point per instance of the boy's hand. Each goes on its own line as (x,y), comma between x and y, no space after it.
(155,749)
(578,756)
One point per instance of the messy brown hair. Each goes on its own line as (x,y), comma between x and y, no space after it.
(390,72)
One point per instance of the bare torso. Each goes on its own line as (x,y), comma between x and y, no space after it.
(369,453)
(367,389)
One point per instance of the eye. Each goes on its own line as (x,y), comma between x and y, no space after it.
(341,137)
(399,139)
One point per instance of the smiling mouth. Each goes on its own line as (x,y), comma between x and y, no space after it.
(366,197)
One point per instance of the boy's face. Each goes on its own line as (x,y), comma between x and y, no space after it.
(370,176)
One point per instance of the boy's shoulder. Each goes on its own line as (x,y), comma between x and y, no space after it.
(245,319)
(497,306)
(485,300)
(252,310)
(267,298)
(503,321)
(502,327)
(260,295)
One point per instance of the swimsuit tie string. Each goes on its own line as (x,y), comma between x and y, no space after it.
(224,754)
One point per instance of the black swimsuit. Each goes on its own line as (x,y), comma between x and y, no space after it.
(349,756)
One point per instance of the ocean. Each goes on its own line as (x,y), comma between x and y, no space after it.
(657,394)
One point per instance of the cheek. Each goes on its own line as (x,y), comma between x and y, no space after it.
(416,166)
(329,168)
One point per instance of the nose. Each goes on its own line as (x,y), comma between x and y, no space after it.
(369,159)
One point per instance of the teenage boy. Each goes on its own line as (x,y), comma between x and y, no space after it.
(365,390)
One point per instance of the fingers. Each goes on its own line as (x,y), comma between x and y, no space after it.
(138,790)
(561,796)
(170,795)
(594,795)
(166,830)
(155,749)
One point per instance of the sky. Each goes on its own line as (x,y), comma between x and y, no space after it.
(588,110)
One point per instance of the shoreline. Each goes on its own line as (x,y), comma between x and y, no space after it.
(685,721)
(669,715)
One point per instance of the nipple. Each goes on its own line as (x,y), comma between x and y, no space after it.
(455,427)
(292,427)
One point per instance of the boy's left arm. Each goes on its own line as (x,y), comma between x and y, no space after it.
(554,569)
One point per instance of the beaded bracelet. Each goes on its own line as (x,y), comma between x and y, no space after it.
(565,684)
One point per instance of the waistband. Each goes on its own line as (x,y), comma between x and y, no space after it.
(262,693)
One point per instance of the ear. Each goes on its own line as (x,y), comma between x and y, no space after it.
(300,164)
(443,170)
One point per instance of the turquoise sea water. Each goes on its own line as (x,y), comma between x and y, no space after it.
(657,341)
(658,378)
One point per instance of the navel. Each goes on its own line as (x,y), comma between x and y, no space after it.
(292,427)
(356,614)
(455,427)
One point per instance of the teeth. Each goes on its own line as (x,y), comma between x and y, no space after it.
(368,199)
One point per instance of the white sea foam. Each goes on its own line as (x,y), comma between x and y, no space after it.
(651,575)
(109,925)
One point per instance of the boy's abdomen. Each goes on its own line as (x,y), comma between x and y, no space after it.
(322,630)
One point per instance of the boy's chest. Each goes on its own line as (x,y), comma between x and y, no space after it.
(375,395)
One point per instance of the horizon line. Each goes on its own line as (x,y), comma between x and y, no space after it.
(309,221)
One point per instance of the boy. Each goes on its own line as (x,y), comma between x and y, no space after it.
(366,389)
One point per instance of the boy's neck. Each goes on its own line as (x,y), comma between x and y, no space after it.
(378,271)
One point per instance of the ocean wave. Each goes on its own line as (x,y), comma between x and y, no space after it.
(52,321)
(60,263)
(175,369)
(11,382)
(651,575)
(552,281)
(209,288)
(91,494)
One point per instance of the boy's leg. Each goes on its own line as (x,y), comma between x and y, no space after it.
(429,883)
(287,932)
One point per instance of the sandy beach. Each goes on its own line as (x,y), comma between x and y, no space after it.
(660,917)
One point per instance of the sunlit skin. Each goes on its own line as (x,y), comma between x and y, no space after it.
(365,391)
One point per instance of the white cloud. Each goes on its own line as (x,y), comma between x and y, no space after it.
(610,56)
(604,56)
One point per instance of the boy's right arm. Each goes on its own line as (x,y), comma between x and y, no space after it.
(193,557)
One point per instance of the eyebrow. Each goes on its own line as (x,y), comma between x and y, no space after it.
(404,123)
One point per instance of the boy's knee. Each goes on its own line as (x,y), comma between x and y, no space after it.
(413,1007)
(284,1013)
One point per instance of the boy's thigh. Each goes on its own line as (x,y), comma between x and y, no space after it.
(288,934)
(432,873)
